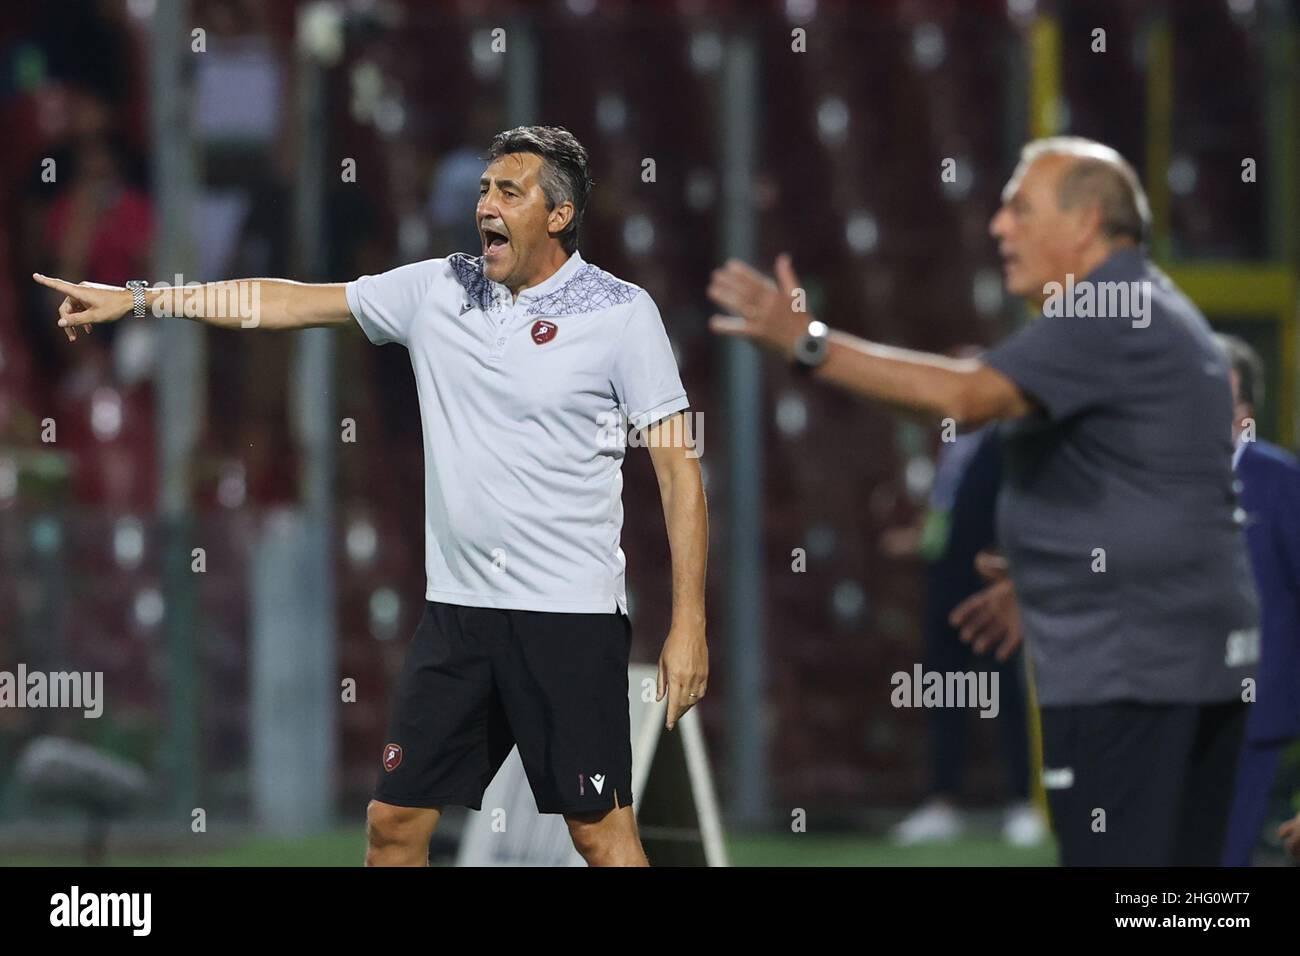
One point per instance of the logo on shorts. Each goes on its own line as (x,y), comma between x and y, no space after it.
(544,331)
(392,757)
(598,781)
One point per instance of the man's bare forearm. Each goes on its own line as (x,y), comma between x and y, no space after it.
(253,303)
(687,520)
(964,390)
(764,312)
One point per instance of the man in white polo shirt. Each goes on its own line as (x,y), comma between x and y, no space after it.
(522,357)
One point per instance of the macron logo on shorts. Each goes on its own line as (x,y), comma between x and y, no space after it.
(598,781)
(392,757)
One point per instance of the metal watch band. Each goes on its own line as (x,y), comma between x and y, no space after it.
(137,287)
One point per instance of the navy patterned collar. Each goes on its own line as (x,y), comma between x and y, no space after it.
(469,273)
(573,289)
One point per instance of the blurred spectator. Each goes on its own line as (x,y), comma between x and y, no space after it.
(1270,495)
(958,525)
(455,187)
(100,226)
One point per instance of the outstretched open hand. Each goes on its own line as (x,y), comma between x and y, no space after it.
(768,313)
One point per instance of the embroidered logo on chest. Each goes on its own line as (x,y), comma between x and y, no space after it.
(544,331)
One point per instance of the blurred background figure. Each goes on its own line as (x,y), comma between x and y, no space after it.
(1269,480)
(455,182)
(959,523)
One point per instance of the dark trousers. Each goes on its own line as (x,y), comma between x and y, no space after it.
(949,726)
(1133,784)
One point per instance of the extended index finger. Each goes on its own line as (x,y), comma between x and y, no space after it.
(58,285)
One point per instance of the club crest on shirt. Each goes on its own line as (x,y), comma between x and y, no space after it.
(392,757)
(544,331)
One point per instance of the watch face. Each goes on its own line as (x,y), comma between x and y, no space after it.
(811,350)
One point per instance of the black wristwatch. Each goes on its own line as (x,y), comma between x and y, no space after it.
(812,348)
(137,287)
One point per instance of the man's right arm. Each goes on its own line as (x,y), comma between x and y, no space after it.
(965,390)
(235,304)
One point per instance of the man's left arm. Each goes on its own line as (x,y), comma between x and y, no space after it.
(684,662)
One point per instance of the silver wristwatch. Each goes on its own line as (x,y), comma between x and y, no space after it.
(137,287)
(812,348)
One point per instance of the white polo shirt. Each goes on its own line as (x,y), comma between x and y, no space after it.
(519,405)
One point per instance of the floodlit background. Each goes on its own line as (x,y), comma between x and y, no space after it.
(138,147)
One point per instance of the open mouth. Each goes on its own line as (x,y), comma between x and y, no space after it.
(493,241)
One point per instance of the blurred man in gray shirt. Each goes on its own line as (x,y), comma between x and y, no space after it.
(1117,510)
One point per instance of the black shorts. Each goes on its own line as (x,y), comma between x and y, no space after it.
(478,681)
(1133,784)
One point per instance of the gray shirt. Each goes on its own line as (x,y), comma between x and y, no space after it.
(1117,511)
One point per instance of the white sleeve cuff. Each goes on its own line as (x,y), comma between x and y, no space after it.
(368,327)
(659,412)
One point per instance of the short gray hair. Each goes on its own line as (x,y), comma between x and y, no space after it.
(1099,175)
(564,176)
